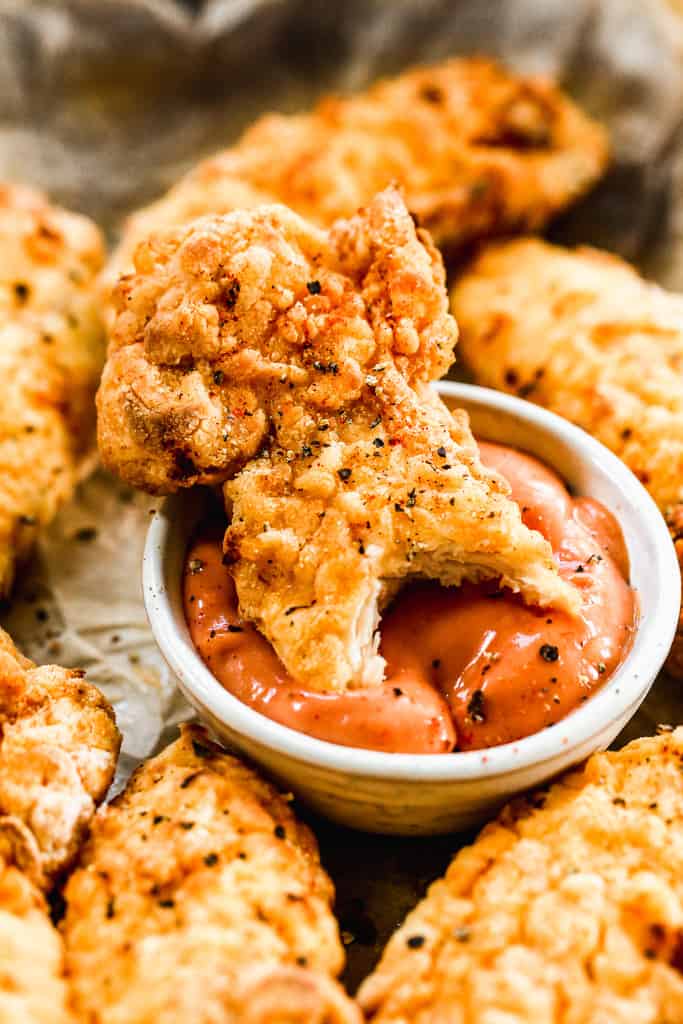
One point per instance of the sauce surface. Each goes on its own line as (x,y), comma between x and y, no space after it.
(467,667)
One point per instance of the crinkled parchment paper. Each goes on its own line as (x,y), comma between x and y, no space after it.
(105,102)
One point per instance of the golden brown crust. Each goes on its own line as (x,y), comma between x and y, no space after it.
(51,349)
(256,334)
(32,986)
(477,149)
(58,749)
(569,907)
(581,333)
(201,897)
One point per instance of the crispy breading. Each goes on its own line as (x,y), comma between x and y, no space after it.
(478,150)
(568,908)
(32,986)
(258,333)
(581,333)
(201,898)
(58,749)
(51,354)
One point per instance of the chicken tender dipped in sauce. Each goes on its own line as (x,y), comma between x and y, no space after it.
(468,667)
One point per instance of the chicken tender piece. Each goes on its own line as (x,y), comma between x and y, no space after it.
(581,333)
(201,898)
(58,750)
(32,986)
(478,150)
(569,907)
(258,334)
(51,354)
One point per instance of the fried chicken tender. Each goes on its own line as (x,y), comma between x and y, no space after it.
(293,363)
(478,150)
(569,907)
(201,898)
(58,749)
(51,354)
(32,986)
(581,333)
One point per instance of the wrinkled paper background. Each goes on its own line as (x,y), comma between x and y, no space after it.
(105,102)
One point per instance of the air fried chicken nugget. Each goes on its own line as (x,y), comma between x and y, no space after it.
(477,149)
(32,985)
(293,363)
(201,898)
(581,333)
(569,907)
(51,354)
(58,749)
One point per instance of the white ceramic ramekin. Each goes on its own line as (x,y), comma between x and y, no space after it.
(427,794)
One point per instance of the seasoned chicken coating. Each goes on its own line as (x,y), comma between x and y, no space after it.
(51,354)
(58,749)
(32,986)
(201,898)
(581,333)
(568,908)
(259,348)
(478,150)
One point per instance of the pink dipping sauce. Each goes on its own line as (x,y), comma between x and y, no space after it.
(467,667)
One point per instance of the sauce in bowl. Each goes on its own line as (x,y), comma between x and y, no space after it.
(468,667)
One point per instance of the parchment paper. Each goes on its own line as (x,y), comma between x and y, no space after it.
(105,102)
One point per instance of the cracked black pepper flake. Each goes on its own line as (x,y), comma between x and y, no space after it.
(211,859)
(343,474)
(415,941)
(279,832)
(302,961)
(187,825)
(431,94)
(22,291)
(378,442)
(602,668)
(436,663)
(295,608)
(398,507)
(306,451)
(475,706)
(376,422)
(157,819)
(167,903)
(28,520)
(42,615)
(235,629)
(195,565)
(412,498)
(188,780)
(201,750)
(111,908)
(398,692)
(85,534)
(441,452)
(361,548)
(218,377)
(313,287)
(549,652)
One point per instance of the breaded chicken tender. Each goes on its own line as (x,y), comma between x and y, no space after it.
(201,898)
(581,333)
(568,908)
(51,354)
(478,150)
(32,986)
(293,363)
(58,749)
